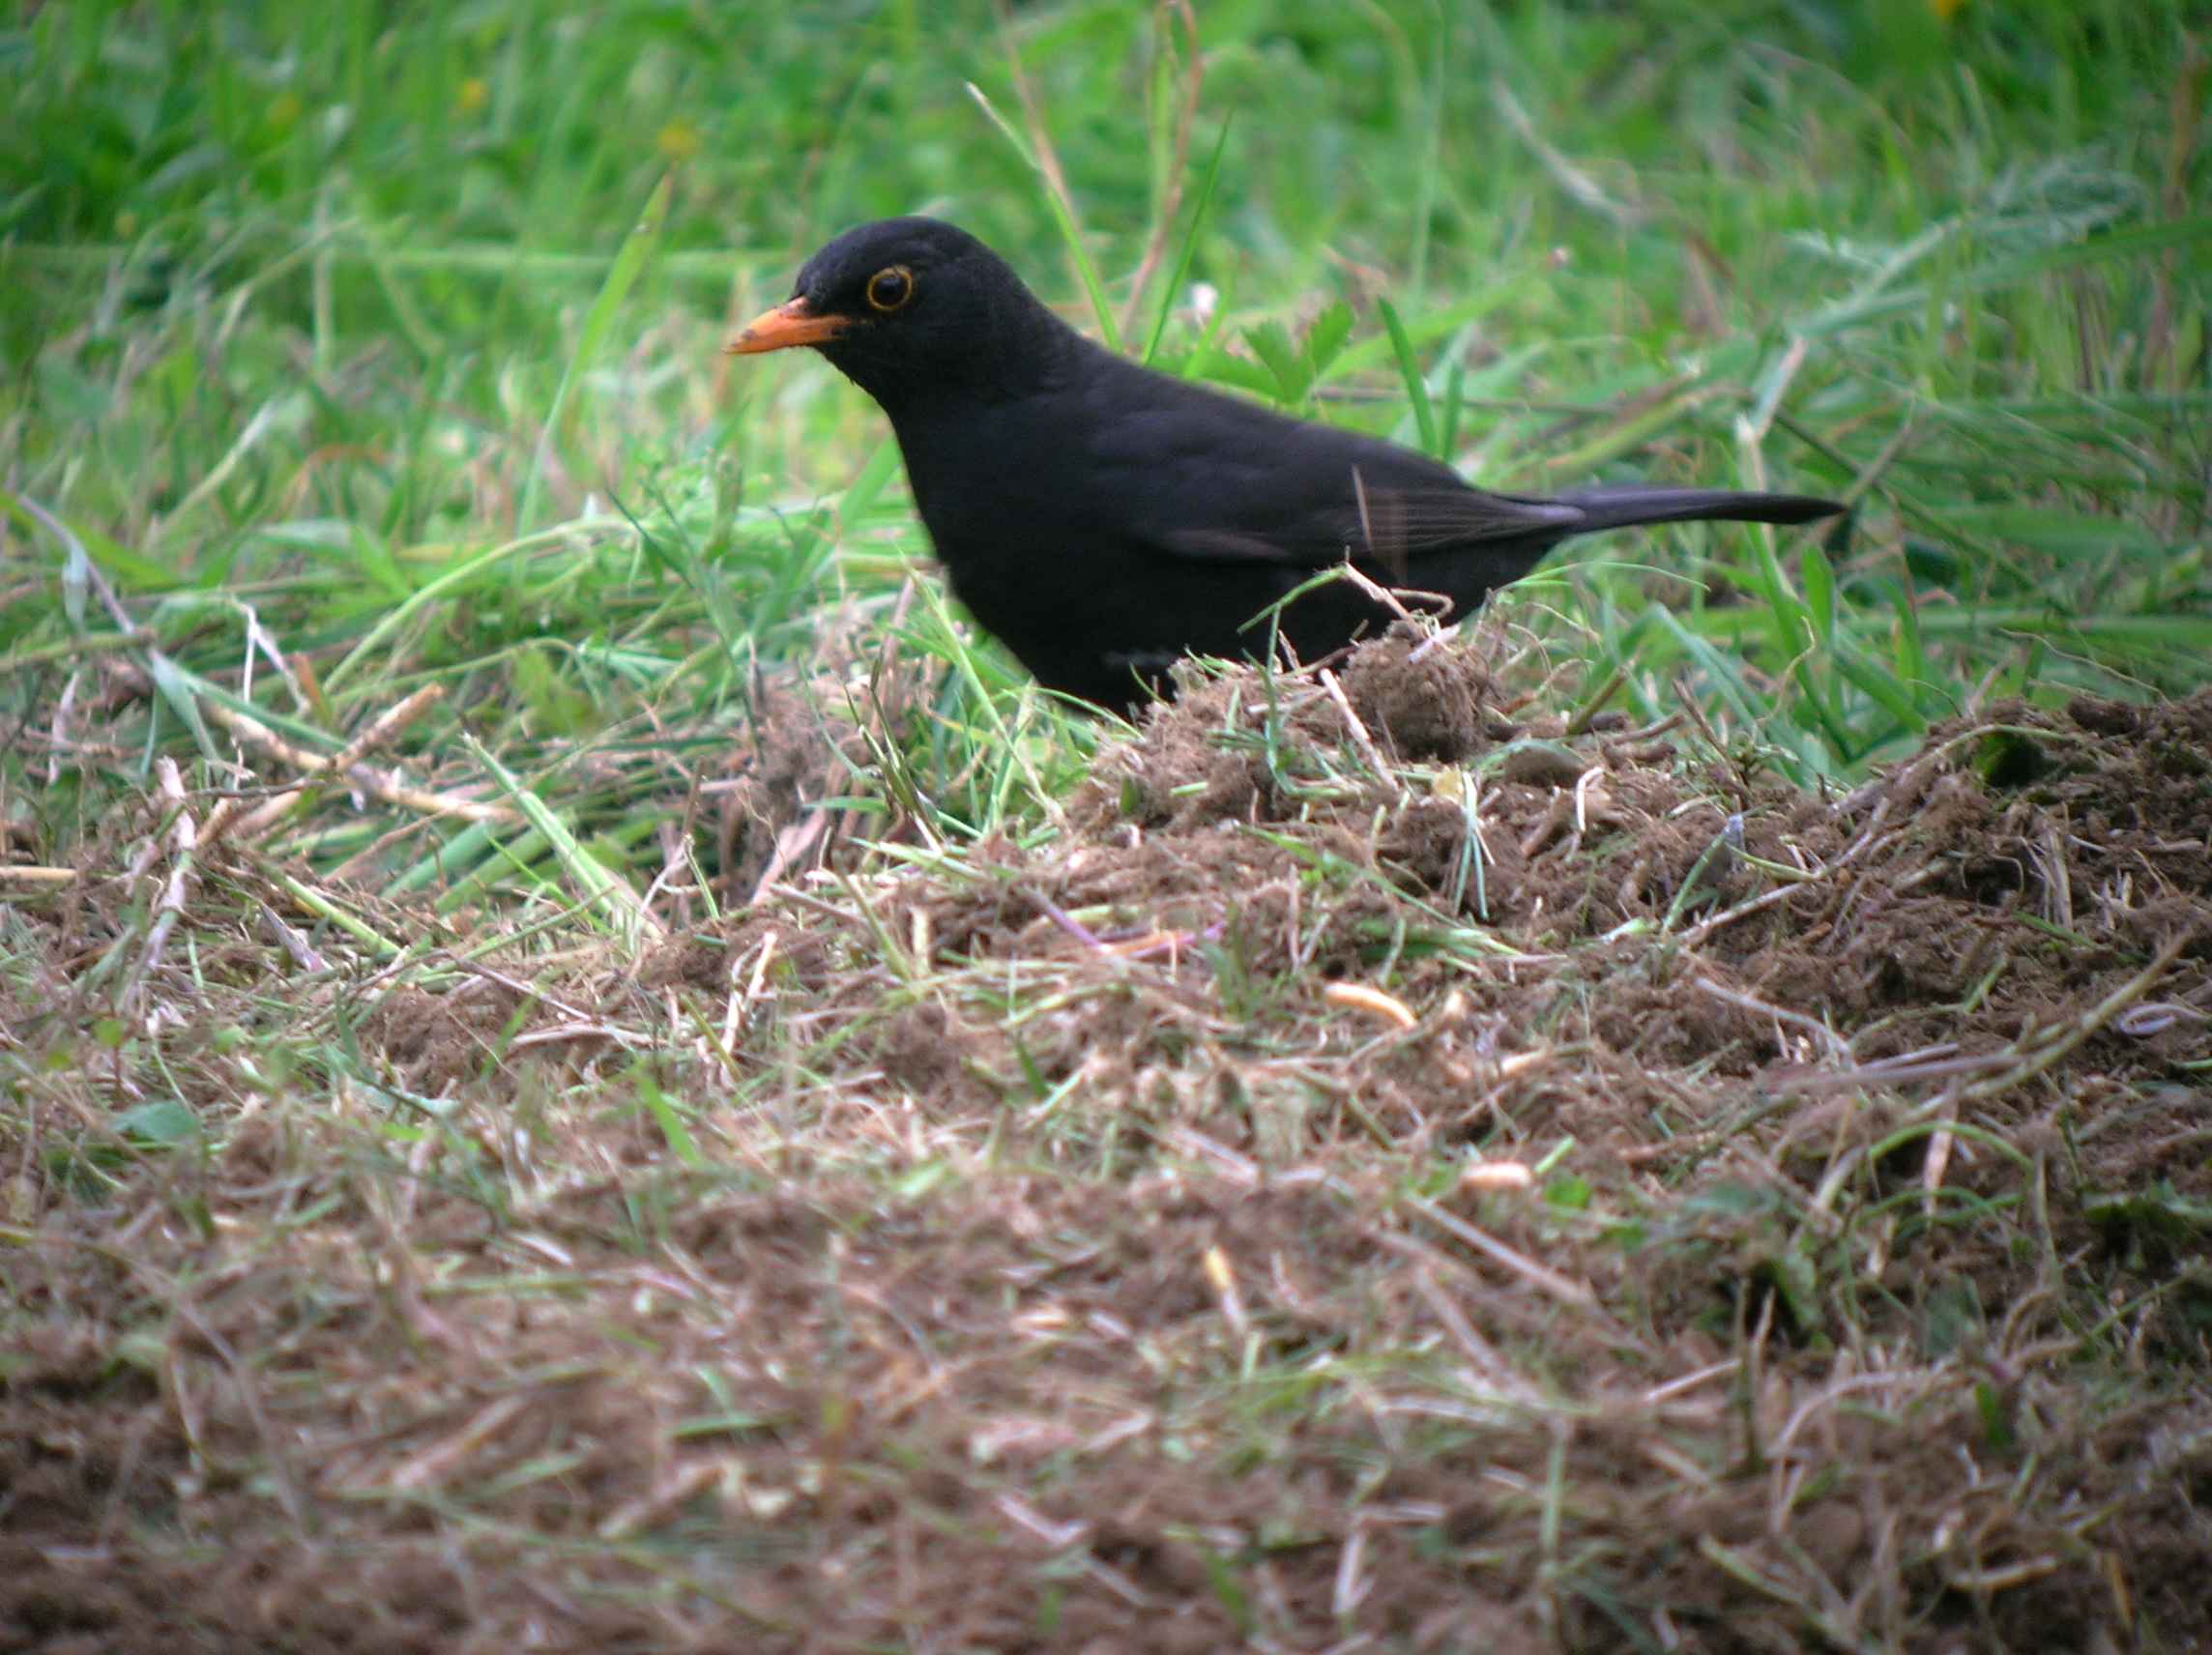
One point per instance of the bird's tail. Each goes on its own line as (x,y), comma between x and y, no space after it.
(1620,506)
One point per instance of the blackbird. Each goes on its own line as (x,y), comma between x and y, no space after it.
(1103,519)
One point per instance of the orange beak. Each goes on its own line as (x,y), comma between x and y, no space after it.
(795,323)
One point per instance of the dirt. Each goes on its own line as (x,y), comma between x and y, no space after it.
(1393,1171)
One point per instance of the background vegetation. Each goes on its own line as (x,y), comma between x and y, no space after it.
(406,611)
(340,326)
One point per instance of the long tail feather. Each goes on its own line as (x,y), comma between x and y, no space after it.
(1620,506)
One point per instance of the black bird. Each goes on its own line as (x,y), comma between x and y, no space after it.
(1103,519)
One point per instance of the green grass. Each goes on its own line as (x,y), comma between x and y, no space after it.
(401,342)
(371,374)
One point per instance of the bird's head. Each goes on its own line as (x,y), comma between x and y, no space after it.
(906,307)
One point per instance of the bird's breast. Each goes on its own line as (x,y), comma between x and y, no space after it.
(995,484)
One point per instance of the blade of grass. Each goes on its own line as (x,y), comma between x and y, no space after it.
(600,887)
(598,321)
(1189,247)
(1063,212)
(1410,371)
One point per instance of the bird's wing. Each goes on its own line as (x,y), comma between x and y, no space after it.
(1206,477)
(1227,546)
(1383,523)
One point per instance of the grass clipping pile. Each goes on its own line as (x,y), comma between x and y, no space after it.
(1390,1173)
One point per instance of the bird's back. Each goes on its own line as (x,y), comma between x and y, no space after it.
(1103,520)
(1110,522)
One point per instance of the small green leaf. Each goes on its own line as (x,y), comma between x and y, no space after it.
(161,1124)
(1271,343)
(1995,1427)
(1326,339)
(1569,1192)
(920,1178)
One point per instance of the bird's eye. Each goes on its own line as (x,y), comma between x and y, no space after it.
(891,287)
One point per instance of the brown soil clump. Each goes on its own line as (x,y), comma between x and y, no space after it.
(1381,1170)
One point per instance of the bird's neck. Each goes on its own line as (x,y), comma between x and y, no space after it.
(1031,352)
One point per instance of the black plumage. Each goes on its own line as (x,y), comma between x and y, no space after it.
(1103,519)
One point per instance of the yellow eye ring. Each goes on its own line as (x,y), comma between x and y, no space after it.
(889,289)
